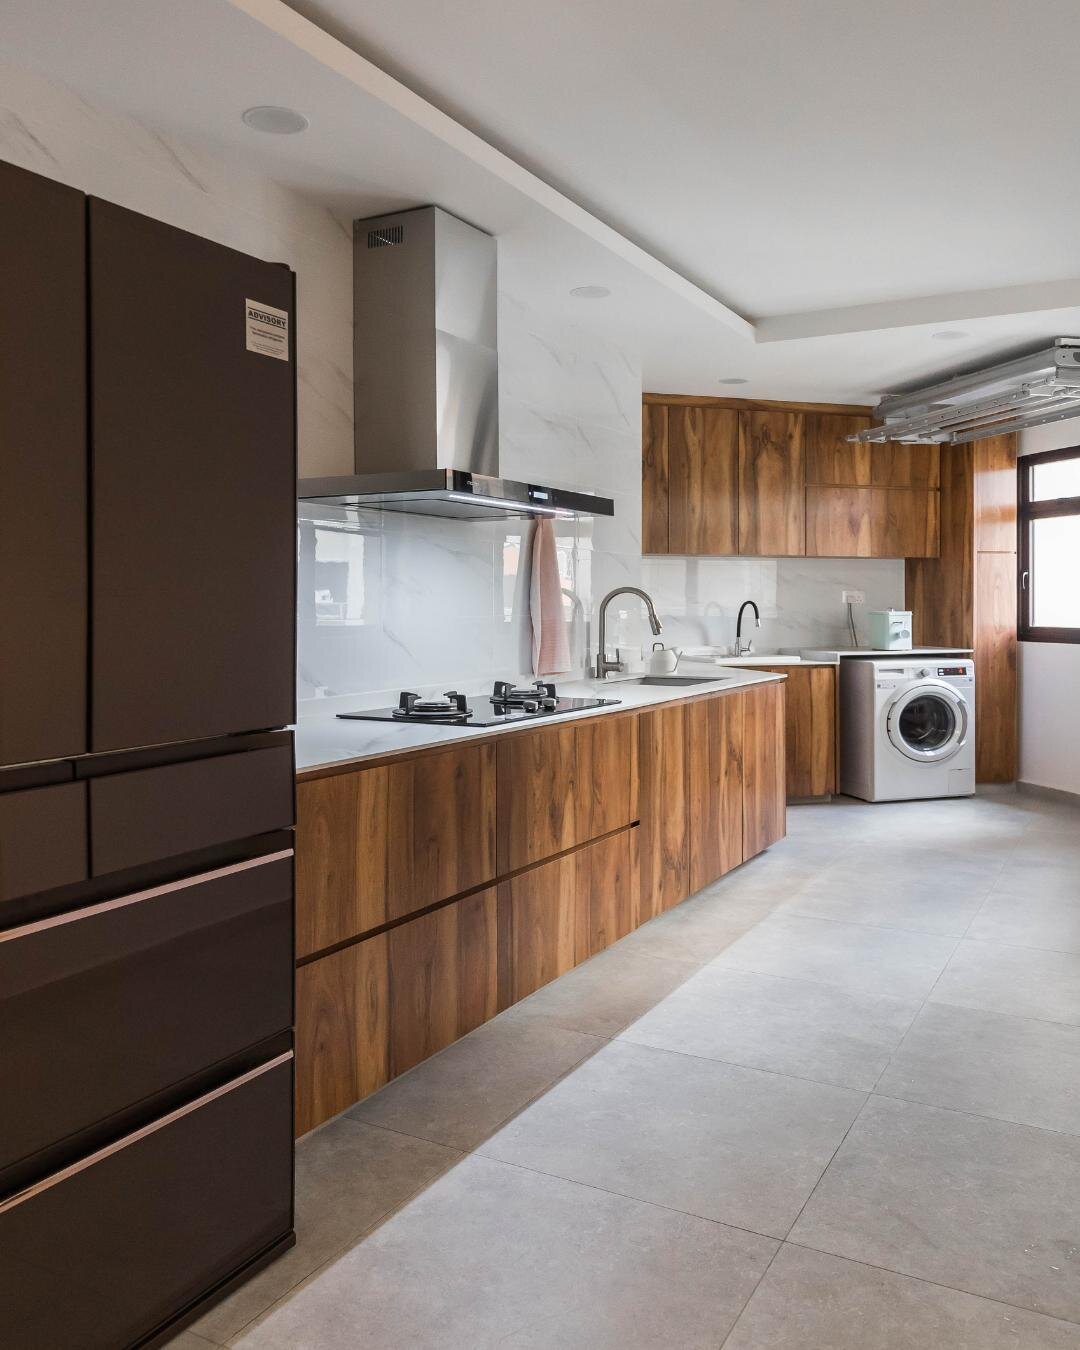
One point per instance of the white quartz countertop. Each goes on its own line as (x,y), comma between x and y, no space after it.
(839,654)
(324,740)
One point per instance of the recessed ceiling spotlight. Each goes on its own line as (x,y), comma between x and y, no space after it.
(277,121)
(949,335)
(590,292)
(734,379)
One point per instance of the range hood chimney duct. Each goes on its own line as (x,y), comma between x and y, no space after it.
(426,378)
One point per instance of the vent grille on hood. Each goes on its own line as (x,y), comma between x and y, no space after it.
(1041,387)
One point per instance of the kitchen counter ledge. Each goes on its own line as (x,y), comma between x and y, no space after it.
(327,745)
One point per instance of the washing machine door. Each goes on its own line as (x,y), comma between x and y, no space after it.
(927,722)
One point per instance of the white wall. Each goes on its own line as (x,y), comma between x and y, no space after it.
(1050,673)
(423,602)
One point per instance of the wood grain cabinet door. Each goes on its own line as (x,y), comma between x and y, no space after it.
(43,468)
(715,754)
(764,768)
(831,459)
(909,466)
(838,522)
(809,729)
(664,840)
(904,522)
(703,480)
(654,478)
(772,482)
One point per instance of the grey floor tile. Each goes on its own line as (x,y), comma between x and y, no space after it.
(1011,1068)
(717,1140)
(916,903)
(1030,917)
(979,1205)
(703,926)
(811,1301)
(856,957)
(495,1255)
(347,1176)
(785,1026)
(1018,980)
(458,1097)
(608,992)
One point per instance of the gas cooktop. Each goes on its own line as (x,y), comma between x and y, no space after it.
(505,704)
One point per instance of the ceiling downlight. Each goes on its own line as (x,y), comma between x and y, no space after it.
(274,120)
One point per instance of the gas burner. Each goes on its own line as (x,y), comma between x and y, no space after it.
(452,707)
(537,697)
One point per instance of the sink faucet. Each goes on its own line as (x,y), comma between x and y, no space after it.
(740,650)
(603,665)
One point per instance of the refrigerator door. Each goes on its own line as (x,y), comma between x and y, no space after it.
(43,468)
(192,408)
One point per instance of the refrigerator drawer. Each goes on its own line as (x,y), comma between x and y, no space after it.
(100,1254)
(103,1007)
(42,839)
(148,814)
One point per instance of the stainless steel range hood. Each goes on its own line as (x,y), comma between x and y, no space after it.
(426,381)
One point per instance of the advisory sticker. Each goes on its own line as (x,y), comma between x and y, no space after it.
(267,330)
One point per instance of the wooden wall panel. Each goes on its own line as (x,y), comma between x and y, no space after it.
(995,491)
(996,715)
(342,855)
(772,482)
(831,459)
(715,753)
(764,768)
(905,466)
(904,522)
(663,807)
(441,827)
(654,478)
(703,493)
(838,522)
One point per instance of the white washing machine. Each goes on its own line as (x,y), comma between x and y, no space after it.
(907,727)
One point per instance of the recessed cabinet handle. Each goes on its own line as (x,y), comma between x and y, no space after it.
(1024,580)
(47,1183)
(137,897)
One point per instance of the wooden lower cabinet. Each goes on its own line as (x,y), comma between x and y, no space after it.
(664,833)
(557,915)
(374,1009)
(715,736)
(809,729)
(377,844)
(763,762)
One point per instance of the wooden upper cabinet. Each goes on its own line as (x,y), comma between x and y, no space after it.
(906,466)
(562,786)
(703,480)
(904,522)
(838,522)
(378,844)
(772,507)
(831,459)
(654,478)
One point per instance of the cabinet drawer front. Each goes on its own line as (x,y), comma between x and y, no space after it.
(103,1007)
(148,814)
(100,1254)
(42,839)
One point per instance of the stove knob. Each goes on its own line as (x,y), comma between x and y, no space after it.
(530,706)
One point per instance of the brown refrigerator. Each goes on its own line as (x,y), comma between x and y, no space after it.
(147,612)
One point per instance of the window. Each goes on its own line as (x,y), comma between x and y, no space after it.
(1049,555)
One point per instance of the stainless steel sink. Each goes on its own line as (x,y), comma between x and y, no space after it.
(680,679)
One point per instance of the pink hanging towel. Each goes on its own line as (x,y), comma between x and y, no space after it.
(550,644)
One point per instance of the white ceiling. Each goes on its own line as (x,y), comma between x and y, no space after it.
(854,176)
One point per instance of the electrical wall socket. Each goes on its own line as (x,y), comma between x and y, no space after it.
(853,597)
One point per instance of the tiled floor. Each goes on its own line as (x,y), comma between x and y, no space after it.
(831,1103)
